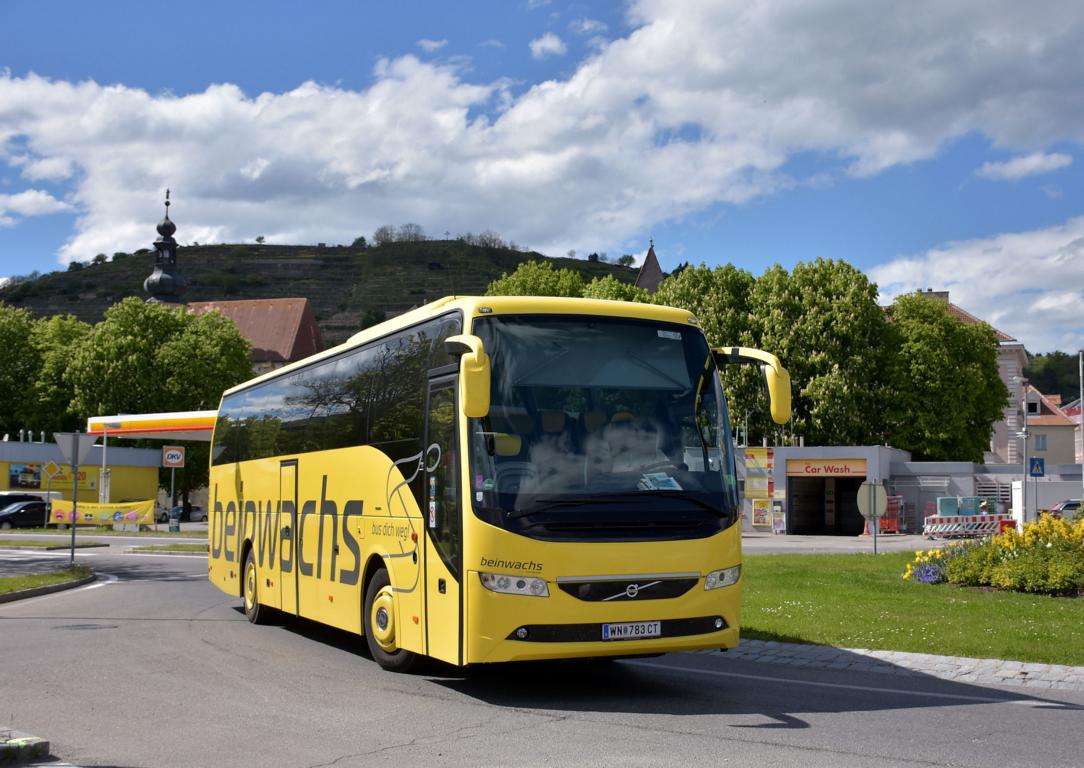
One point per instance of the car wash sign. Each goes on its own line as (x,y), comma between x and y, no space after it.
(826,467)
(173,456)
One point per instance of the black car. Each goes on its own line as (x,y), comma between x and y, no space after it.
(24,514)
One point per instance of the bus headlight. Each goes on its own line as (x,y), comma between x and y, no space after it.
(724,577)
(514,585)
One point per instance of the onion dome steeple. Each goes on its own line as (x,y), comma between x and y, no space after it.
(164,285)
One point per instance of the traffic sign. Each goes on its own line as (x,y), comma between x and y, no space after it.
(1038,467)
(75,446)
(51,469)
(173,456)
(872,499)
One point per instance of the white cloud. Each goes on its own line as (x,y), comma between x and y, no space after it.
(30,202)
(1022,283)
(547,45)
(1027,165)
(589,161)
(587,26)
(534,4)
(492,43)
(431,46)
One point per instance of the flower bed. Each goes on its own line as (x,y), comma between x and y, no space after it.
(1047,558)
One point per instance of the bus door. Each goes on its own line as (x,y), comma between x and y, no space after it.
(440,513)
(288,536)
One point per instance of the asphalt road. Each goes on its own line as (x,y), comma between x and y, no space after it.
(153,666)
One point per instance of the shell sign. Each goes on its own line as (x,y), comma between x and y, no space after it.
(173,456)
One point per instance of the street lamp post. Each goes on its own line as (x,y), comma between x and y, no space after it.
(1024,434)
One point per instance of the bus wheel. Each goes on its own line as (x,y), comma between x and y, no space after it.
(381,626)
(255,612)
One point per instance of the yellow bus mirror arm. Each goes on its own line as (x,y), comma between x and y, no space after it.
(473,373)
(775,375)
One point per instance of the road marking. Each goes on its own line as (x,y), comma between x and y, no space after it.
(839,686)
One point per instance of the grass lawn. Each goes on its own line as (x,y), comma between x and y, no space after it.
(38,544)
(861,601)
(198,548)
(17,583)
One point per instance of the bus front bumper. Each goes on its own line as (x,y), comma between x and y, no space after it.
(520,628)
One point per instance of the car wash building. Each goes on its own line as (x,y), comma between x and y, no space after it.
(811,490)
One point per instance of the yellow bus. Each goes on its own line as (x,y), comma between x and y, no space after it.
(491,479)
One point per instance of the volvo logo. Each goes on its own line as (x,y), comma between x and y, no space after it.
(631,591)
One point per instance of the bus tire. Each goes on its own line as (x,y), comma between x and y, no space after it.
(381,622)
(250,586)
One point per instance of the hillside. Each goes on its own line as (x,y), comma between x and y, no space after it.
(343,283)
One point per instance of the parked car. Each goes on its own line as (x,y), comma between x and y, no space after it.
(196,514)
(24,514)
(10,497)
(1067,509)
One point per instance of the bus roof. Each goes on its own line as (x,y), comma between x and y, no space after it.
(485,306)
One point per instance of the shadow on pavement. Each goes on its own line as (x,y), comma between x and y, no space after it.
(688,684)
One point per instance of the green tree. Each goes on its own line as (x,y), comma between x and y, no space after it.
(537,278)
(626,260)
(19,366)
(1056,373)
(56,339)
(823,321)
(609,287)
(719,297)
(149,358)
(947,391)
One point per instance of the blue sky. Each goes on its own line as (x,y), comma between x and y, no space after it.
(935,145)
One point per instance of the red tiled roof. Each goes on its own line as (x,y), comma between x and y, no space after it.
(279,330)
(1050,415)
(967,317)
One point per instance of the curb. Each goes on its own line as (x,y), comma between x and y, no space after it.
(953,668)
(22,594)
(16,747)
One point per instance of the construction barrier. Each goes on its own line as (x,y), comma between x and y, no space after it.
(890,522)
(950,526)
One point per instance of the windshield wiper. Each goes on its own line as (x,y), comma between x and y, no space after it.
(552,502)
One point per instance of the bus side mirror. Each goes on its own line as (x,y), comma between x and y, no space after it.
(778,380)
(775,375)
(473,373)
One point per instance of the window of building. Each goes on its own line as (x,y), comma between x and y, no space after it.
(1033,407)
(1040,442)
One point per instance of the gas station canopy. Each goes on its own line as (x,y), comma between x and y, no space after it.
(183,425)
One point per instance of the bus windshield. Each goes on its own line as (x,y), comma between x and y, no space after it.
(601,428)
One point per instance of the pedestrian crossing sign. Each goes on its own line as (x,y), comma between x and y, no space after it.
(1038,467)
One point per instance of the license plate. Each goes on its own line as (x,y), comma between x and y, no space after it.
(633,630)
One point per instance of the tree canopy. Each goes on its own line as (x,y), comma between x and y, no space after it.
(946,392)
(19,363)
(537,278)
